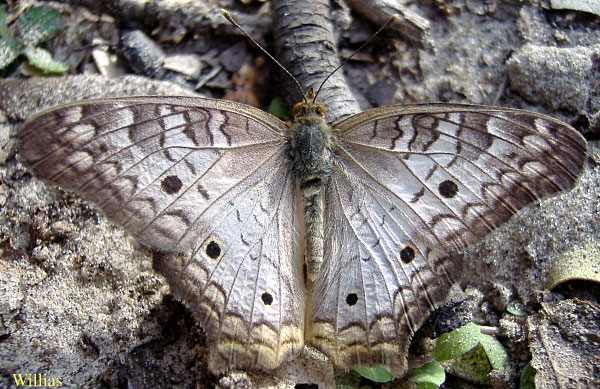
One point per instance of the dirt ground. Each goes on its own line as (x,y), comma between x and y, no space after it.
(80,299)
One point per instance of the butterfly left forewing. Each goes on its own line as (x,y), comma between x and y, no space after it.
(154,165)
(462,169)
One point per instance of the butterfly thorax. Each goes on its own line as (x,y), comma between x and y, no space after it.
(310,148)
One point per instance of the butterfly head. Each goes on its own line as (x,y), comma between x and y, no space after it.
(309,106)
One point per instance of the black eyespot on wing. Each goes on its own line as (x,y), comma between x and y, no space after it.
(171,184)
(407,254)
(213,250)
(267,298)
(351,299)
(448,189)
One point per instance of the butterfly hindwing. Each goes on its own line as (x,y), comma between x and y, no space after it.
(210,182)
(244,280)
(379,281)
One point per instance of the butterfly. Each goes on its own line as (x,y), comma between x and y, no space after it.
(386,194)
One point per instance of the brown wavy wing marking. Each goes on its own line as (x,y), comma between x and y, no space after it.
(206,178)
(410,185)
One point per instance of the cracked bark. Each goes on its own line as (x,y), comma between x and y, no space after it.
(305,45)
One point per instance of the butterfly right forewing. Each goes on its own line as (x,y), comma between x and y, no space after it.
(154,165)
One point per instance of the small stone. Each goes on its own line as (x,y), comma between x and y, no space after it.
(142,54)
(62,230)
(382,93)
(235,56)
(559,78)
(190,65)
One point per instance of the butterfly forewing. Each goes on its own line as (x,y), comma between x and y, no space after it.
(460,170)
(209,179)
(153,165)
(410,185)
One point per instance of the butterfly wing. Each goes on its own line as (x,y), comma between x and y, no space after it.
(411,184)
(209,179)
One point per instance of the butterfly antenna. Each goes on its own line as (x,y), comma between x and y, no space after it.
(232,21)
(389,21)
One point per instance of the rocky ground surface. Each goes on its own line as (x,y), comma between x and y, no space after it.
(80,300)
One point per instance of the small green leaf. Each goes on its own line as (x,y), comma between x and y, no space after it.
(37,24)
(470,354)
(3,27)
(527,380)
(432,373)
(42,60)
(375,373)
(277,108)
(515,307)
(8,53)
(495,352)
(461,340)
(457,342)
(9,47)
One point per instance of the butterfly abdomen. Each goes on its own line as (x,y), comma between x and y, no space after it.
(310,153)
